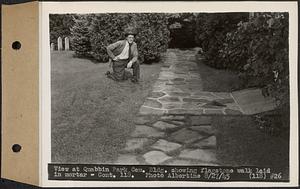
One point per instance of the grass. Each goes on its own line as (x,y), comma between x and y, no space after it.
(217,80)
(240,143)
(91,115)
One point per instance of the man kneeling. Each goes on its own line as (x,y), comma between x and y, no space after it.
(124,54)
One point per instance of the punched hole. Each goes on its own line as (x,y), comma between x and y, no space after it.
(16,45)
(16,148)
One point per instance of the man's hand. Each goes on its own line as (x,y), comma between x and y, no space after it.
(129,64)
(116,58)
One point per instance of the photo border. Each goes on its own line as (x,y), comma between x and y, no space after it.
(47,8)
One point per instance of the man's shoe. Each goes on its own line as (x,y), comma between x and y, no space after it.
(133,80)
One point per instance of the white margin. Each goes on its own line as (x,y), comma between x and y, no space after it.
(159,6)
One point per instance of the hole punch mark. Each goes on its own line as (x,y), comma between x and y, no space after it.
(16,45)
(16,148)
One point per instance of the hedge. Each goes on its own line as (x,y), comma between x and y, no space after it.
(100,30)
(259,50)
(81,35)
(60,25)
(211,31)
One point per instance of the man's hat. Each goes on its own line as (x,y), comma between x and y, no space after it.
(130,31)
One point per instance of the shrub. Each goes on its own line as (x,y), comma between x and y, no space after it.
(268,62)
(106,29)
(256,48)
(211,31)
(103,29)
(81,36)
(153,35)
(60,25)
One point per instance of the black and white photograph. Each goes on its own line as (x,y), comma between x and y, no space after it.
(170,89)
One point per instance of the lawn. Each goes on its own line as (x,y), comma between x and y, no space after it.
(91,115)
(240,143)
(217,80)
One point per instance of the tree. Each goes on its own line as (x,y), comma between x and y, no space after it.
(211,31)
(182,28)
(81,35)
(267,63)
(60,25)
(103,29)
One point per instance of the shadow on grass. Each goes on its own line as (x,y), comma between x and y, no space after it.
(216,80)
(240,142)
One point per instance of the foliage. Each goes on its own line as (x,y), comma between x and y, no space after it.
(60,25)
(103,29)
(211,31)
(153,35)
(182,28)
(256,48)
(81,36)
(259,50)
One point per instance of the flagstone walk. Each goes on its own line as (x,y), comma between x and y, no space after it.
(179,90)
(173,126)
(170,140)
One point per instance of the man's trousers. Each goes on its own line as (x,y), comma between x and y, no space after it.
(119,70)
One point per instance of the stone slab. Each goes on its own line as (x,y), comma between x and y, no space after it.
(180,123)
(210,106)
(204,129)
(172,117)
(210,142)
(141,120)
(195,100)
(152,103)
(185,136)
(225,101)
(252,101)
(165,146)
(164,125)
(171,88)
(176,83)
(147,110)
(233,106)
(177,162)
(156,157)
(205,95)
(145,131)
(172,105)
(213,112)
(222,95)
(192,105)
(169,99)
(135,144)
(178,79)
(179,94)
(186,111)
(232,112)
(204,155)
(127,159)
(156,94)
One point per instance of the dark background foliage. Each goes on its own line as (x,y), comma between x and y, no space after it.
(211,31)
(93,33)
(60,25)
(182,30)
(258,50)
